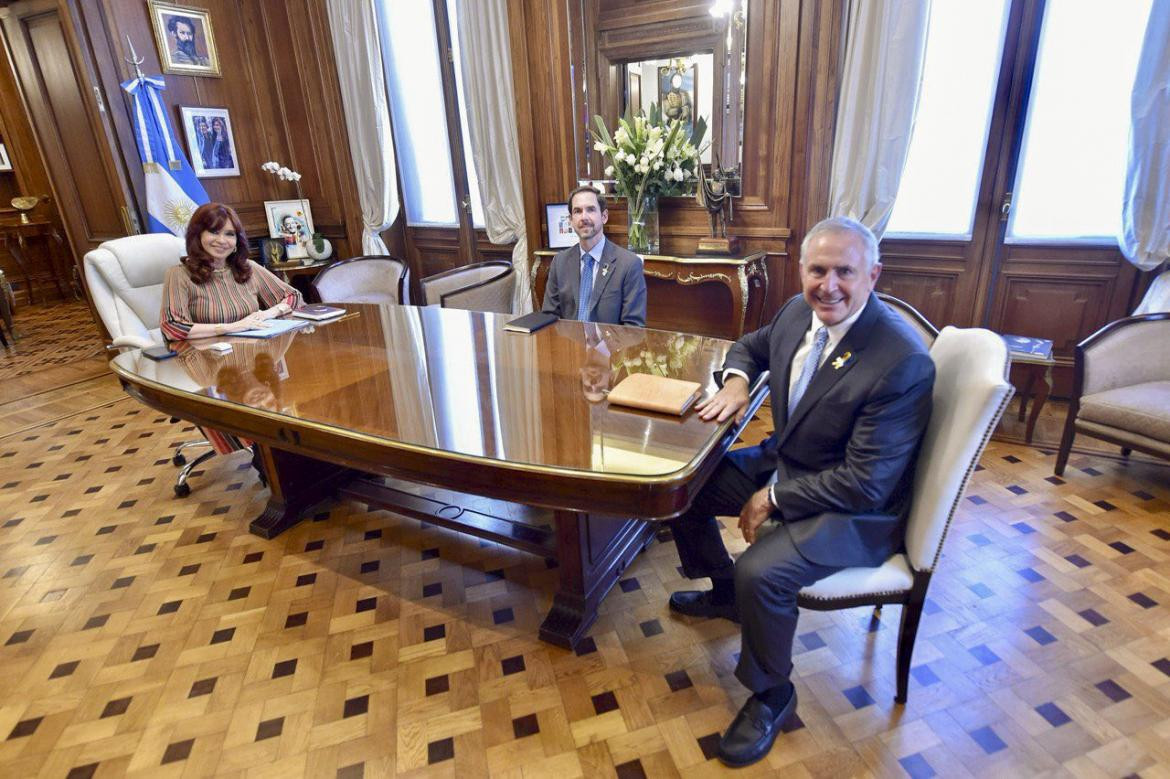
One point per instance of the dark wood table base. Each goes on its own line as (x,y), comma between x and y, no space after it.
(591,551)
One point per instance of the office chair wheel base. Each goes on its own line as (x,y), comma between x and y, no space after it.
(179,460)
(182,490)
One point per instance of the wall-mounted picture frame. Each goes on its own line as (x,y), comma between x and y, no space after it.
(186,43)
(676,94)
(5,163)
(560,225)
(211,142)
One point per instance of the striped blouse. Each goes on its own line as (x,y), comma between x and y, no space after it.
(220,301)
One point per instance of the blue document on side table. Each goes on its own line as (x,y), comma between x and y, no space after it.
(276,327)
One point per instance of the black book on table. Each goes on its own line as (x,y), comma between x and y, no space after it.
(530,323)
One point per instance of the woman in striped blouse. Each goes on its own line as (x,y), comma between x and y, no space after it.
(217,290)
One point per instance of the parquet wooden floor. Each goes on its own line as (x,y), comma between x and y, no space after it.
(147,636)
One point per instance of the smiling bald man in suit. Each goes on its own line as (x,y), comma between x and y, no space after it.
(851,390)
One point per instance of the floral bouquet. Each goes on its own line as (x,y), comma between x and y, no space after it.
(649,157)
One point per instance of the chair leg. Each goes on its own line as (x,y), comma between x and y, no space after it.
(182,489)
(1066,440)
(179,459)
(907,632)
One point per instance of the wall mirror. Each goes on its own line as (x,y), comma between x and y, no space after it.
(688,57)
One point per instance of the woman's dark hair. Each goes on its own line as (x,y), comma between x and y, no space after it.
(213,216)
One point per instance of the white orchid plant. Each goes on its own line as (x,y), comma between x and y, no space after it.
(649,156)
(287,174)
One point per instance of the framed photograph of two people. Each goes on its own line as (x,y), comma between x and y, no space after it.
(210,141)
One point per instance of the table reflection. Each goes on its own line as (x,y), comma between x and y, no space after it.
(455,381)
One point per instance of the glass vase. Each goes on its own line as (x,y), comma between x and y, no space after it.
(643,230)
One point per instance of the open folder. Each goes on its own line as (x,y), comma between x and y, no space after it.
(655,393)
(275,327)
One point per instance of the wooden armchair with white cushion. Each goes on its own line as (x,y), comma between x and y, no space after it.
(971,391)
(482,286)
(1121,387)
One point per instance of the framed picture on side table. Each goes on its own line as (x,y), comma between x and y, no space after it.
(5,163)
(560,225)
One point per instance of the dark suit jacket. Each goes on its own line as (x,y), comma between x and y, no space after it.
(846,458)
(619,291)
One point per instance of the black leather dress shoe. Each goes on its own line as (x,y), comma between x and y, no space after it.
(696,603)
(754,730)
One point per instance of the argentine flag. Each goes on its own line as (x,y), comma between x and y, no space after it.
(172,191)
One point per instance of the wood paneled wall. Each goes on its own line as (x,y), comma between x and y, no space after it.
(280,85)
(792,66)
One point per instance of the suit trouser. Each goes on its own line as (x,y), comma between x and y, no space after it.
(767,576)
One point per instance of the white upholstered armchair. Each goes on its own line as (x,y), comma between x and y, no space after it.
(366,279)
(125,280)
(971,391)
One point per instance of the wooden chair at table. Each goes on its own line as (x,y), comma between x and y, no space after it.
(482,286)
(371,278)
(971,391)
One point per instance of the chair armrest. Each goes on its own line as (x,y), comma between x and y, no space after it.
(1129,351)
(132,342)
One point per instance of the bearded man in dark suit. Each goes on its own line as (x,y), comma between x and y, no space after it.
(851,390)
(597,280)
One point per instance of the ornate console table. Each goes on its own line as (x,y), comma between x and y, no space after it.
(718,296)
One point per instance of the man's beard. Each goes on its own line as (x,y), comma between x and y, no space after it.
(187,47)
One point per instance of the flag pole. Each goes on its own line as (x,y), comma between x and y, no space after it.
(134,59)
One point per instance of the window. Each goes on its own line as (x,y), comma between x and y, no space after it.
(940,183)
(418,94)
(1071,174)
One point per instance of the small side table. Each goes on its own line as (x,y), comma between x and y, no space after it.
(289,271)
(1034,358)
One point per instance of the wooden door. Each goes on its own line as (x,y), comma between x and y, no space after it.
(67,107)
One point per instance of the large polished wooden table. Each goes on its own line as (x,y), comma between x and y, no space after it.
(443,416)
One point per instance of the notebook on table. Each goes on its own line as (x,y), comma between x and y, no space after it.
(318,312)
(655,393)
(530,323)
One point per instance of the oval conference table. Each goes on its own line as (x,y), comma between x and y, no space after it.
(444,416)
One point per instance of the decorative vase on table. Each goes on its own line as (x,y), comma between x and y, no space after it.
(319,248)
(649,157)
(643,231)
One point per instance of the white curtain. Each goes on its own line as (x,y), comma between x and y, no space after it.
(1145,215)
(491,119)
(885,49)
(354,26)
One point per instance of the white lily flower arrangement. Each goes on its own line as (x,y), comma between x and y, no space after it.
(649,157)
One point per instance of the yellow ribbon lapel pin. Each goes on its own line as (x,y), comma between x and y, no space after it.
(842,361)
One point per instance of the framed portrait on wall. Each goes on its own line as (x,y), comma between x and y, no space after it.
(676,94)
(211,142)
(5,163)
(186,44)
(560,225)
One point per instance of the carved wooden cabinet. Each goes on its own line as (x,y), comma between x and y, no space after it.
(716,296)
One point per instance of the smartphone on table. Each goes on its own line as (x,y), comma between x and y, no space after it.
(159,352)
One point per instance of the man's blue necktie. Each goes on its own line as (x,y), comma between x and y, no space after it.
(586,288)
(810,367)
